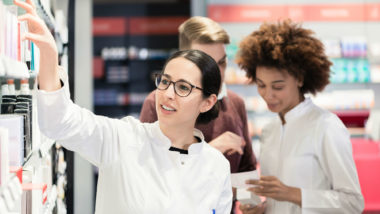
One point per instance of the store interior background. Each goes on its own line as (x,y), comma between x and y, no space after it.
(124,61)
(114,80)
(114,47)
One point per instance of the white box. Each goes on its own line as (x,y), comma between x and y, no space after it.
(4,159)
(15,126)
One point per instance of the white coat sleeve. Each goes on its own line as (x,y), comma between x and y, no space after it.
(94,137)
(335,156)
(225,201)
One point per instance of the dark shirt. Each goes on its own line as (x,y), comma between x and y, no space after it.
(232,117)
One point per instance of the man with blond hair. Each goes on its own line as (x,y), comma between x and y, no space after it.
(229,131)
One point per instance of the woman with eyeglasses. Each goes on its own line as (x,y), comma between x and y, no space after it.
(161,167)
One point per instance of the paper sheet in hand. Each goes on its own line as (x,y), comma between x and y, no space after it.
(238,179)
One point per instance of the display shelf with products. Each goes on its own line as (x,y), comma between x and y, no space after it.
(35,158)
(350,41)
(131,43)
(354,111)
(24,149)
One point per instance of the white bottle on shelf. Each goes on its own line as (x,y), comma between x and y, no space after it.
(4,90)
(24,87)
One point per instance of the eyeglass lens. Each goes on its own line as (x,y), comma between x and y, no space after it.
(181,88)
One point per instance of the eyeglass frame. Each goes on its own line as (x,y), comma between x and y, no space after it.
(157,75)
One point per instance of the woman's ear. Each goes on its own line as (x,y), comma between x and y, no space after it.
(300,83)
(208,103)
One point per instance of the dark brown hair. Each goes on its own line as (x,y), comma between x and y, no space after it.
(286,46)
(210,80)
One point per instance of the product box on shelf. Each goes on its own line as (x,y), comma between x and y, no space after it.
(15,126)
(4,160)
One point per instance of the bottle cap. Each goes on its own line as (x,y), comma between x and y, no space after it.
(11,87)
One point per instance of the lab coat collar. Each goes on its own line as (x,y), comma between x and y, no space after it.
(196,148)
(164,142)
(223,92)
(298,111)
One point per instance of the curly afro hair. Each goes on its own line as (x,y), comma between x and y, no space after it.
(286,46)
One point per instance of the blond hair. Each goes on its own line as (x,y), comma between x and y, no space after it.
(201,30)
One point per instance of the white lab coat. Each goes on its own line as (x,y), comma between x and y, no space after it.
(313,152)
(137,172)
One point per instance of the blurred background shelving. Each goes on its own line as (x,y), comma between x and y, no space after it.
(131,42)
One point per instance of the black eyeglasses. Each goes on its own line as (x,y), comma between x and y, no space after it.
(181,87)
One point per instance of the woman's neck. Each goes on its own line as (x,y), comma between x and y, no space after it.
(282,114)
(181,137)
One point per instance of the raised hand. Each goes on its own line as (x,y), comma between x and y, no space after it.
(40,35)
(38,31)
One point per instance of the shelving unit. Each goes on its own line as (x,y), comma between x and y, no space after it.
(35,157)
(131,42)
(11,68)
(34,167)
(20,194)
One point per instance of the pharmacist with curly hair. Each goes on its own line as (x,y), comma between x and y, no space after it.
(306,154)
